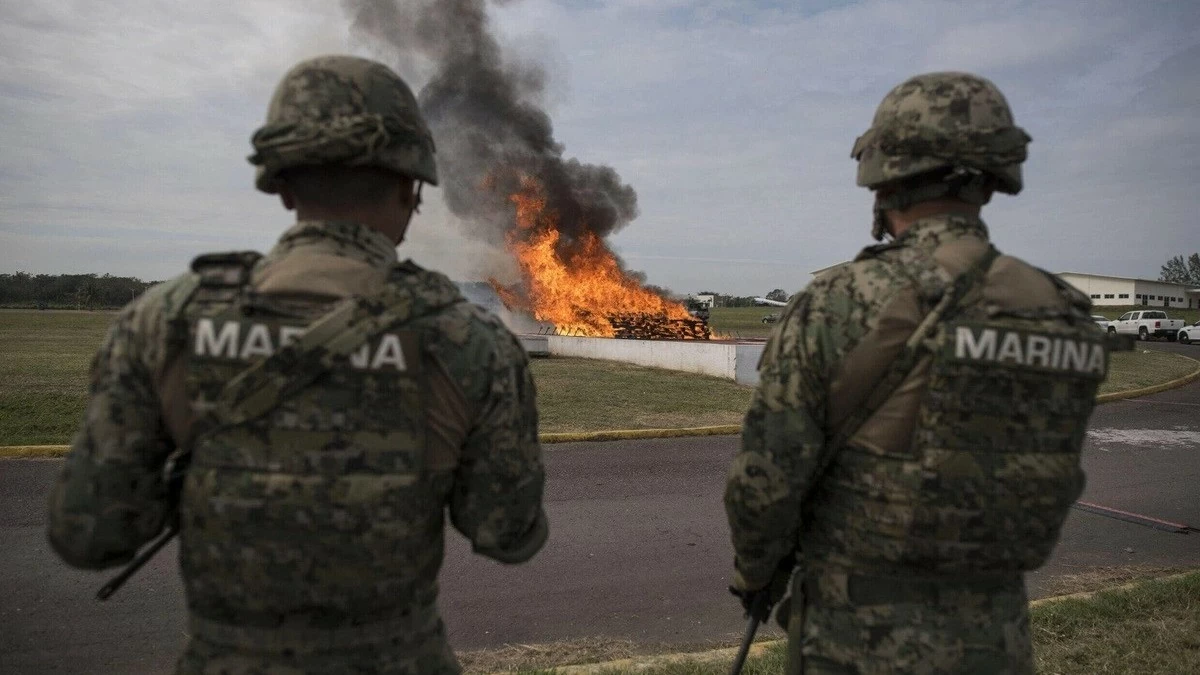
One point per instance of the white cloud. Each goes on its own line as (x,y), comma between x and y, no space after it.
(127,125)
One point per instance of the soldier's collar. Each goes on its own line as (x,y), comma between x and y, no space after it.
(341,236)
(932,231)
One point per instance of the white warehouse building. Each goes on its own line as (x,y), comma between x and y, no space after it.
(1105,289)
(1109,290)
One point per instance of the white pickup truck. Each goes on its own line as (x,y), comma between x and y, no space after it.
(1146,324)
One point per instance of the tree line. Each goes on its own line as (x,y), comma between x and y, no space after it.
(74,291)
(1182,270)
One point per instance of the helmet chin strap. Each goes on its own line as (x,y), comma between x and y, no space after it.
(969,185)
(879,226)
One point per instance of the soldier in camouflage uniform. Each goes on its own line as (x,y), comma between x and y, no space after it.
(913,445)
(335,401)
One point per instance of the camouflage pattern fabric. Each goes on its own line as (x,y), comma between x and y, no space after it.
(342,110)
(911,547)
(941,120)
(312,534)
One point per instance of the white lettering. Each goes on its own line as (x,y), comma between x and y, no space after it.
(1074,354)
(1056,357)
(360,357)
(389,352)
(258,342)
(1037,349)
(288,335)
(209,343)
(1096,362)
(966,346)
(1010,348)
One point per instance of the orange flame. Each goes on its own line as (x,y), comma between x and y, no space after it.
(576,285)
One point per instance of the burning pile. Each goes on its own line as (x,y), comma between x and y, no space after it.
(505,178)
(578,285)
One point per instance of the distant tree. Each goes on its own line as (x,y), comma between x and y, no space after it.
(68,290)
(1182,270)
(85,294)
(778,294)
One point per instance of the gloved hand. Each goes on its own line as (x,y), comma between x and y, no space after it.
(774,590)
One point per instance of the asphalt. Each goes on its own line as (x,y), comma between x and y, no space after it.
(639,548)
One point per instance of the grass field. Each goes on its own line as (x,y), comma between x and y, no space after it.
(1144,368)
(743,322)
(1151,627)
(44,372)
(47,356)
(589,395)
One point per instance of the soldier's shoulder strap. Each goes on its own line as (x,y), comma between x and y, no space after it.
(226,272)
(335,335)
(909,356)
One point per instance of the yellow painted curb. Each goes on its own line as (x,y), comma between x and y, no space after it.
(1146,391)
(727,654)
(32,451)
(1084,595)
(627,434)
(45,451)
(42,451)
(647,662)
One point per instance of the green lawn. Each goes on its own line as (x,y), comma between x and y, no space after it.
(1144,368)
(47,356)
(1149,628)
(741,322)
(44,372)
(590,395)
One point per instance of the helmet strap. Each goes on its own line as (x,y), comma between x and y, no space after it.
(964,184)
(417,201)
(879,225)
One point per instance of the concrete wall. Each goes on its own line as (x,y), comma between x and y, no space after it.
(746,367)
(737,362)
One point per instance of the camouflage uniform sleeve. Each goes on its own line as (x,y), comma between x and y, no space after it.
(783,439)
(110,497)
(497,497)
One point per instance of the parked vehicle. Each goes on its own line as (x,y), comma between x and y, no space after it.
(1102,322)
(770,318)
(1148,323)
(1189,333)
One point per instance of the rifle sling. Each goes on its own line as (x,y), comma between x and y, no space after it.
(259,388)
(908,358)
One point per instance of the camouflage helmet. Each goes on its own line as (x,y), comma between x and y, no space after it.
(946,120)
(347,111)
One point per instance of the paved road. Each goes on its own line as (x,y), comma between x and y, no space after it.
(639,549)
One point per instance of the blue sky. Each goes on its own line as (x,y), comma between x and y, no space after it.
(127,123)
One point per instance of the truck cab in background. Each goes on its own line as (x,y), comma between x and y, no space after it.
(1146,324)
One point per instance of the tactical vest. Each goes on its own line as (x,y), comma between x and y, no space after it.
(993,463)
(311,525)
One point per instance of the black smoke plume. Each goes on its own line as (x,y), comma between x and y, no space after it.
(487,119)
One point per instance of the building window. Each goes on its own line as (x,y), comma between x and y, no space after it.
(1138,296)
(1108,296)
(1123,295)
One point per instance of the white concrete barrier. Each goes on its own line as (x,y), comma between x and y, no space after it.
(730,360)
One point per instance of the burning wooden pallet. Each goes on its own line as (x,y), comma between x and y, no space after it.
(641,326)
